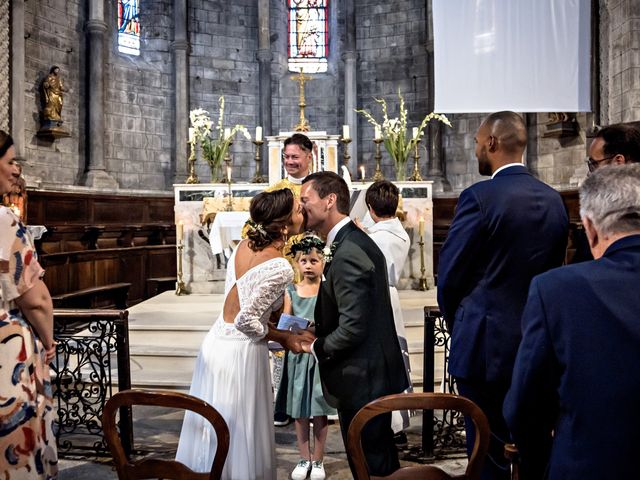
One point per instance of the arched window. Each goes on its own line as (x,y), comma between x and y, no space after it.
(128,27)
(308,35)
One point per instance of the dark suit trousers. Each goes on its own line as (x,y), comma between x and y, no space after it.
(489,397)
(377,442)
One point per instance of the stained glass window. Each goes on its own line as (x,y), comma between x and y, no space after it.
(308,35)
(128,27)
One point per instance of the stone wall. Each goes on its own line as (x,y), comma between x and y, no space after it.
(392,57)
(620,55)
(54,36)
(224,40)
(139,101)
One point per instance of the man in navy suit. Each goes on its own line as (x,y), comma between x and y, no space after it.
(505,231)
(573,404)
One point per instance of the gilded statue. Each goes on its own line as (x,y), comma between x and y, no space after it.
(53,88)
(52,94)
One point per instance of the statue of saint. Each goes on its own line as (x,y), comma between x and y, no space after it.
(53,89)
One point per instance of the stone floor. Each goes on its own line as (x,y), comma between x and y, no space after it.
(157,430)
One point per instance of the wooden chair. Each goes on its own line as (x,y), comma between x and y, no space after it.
(154,467)
(419,401)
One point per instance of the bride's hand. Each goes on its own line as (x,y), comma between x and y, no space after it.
(296,341)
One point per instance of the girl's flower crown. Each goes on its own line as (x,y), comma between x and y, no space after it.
(306,244)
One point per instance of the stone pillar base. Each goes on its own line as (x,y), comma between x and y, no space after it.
(100,179)
(440,184)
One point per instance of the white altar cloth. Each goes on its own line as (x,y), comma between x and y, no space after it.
(226,230)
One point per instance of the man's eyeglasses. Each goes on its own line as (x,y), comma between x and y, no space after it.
(593,164)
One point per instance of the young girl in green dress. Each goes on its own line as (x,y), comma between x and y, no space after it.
(304,391)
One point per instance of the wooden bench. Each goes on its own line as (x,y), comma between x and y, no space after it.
(107,296)
(157,285)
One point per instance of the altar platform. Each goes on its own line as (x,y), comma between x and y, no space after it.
(166,331)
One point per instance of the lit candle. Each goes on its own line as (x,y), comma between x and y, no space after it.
(377,133)
(362,172)
(180,232)
(192,134)
(229,174)
(421,225)
(258,134)
(345,132)
(415,132)
(227,133)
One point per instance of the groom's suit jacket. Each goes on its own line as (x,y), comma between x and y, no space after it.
(357,346)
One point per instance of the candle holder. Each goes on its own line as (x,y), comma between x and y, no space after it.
(181,288)
(345,151)
(415,176)
(423,278)
(377,176)
(257,178)
(229,207)
(193,178)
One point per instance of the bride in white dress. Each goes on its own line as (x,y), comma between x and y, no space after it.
(232,369)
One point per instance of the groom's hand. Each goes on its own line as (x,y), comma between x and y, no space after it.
(296,342)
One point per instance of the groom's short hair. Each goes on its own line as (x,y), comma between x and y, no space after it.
(325,183)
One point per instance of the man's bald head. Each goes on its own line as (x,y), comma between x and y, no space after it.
(509,129)
(501,139)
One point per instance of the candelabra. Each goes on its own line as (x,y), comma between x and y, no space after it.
(303,124)
(345,151)
(181,289)
(229,207)
(423,277)
(257,178)
(193,178)
(415,176)
(377,176)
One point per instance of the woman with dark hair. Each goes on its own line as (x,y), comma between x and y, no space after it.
(232,369)
(27,444)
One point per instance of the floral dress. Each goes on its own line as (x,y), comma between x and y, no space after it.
(27,443)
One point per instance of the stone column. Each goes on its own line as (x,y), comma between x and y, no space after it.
(264,58)
(16,100)
(180,47)
(350,84)
(435,164)
(96,172)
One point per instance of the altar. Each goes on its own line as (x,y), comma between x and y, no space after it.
(208,241)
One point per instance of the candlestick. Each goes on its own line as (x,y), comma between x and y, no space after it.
(423,277)
(229,207)
(362,173)
(377,176)
(192,134)
(227,133)
(258,134)
(228,174)
(345,132)
(421,225)
(415,176)
(415,132)
(257,178)
(179,232)
(191,161)
(377,134)
(345,151)
(181,288)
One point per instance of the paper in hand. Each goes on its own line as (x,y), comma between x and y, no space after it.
(292,323)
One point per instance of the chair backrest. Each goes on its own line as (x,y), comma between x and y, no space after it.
(419,401)
(153,467)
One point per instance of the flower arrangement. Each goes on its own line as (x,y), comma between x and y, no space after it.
(394,133)
(213,139)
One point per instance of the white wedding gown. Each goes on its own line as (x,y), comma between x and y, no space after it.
(232,374)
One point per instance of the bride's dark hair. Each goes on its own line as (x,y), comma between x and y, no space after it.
(270,213)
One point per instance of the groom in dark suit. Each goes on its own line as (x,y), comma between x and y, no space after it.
(356,347)
(505,231)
